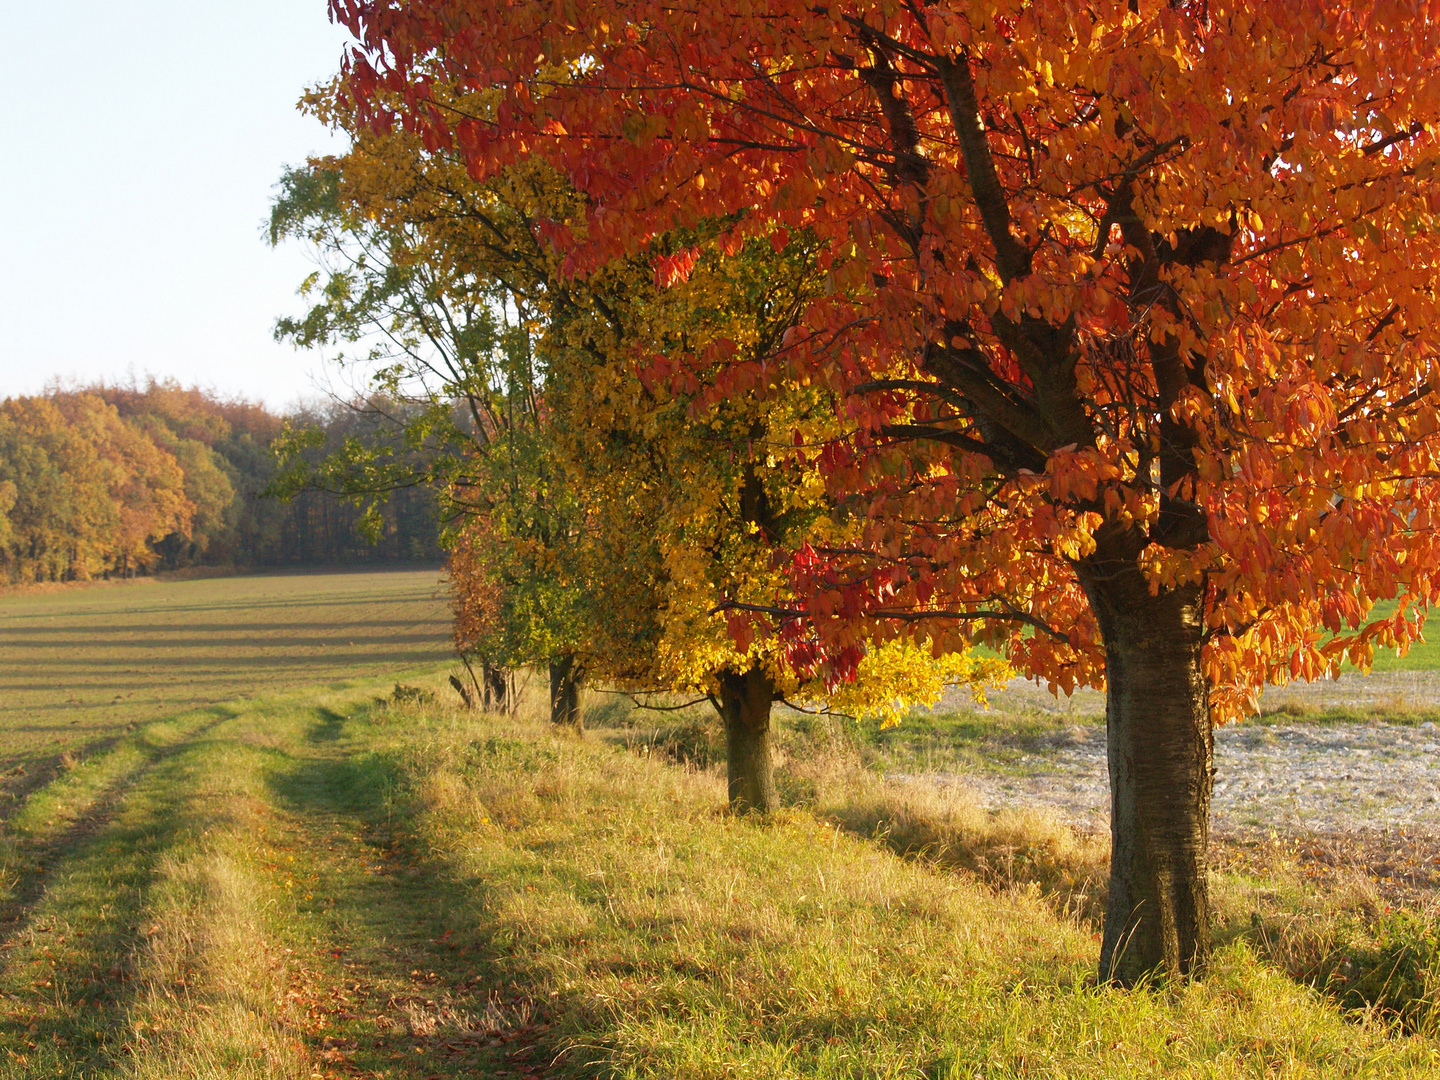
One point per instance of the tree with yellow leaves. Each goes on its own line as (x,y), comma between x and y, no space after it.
(694,507)
(611,516)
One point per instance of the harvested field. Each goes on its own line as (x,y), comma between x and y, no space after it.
(80,665)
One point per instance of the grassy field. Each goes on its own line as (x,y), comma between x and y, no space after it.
(321,881)
(79,665)
(316,885)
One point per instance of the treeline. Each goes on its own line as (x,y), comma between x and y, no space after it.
(808,348)
(107,480)
(602,516)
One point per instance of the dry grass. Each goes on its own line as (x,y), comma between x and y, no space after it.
(338,889)
(315,885)
(664,938)
(210,978)
(1322,910)
(1013,851)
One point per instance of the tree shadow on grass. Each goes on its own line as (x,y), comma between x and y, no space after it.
(329,728)
(71,925)
(426,996)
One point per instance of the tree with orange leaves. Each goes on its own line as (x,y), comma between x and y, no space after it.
(1130,301)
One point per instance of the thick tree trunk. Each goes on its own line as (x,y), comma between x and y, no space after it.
(565,690)
(745,701)
(1161,756)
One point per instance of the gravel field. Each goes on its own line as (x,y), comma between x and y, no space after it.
(1294,778)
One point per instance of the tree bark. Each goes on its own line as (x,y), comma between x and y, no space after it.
(745,701)
(464,691)
(496,687)
(1161,757)
(565,690)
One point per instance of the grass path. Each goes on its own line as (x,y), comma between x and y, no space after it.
(230,893)
(311,885)
(81,667)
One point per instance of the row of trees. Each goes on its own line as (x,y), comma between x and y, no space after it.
(1097,332)
(125,479)
(597,522)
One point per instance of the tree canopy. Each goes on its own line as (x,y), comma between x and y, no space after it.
(124,479)
(595,529)
(1126,304)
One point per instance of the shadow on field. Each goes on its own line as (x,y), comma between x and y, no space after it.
(330,726)
(276,654)
(182,635)
(23,778)
(71,923)
(431,997)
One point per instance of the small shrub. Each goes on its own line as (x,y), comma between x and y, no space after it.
(697,743)
(615,711)
(411,695)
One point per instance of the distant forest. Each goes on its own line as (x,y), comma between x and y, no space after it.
(108,480)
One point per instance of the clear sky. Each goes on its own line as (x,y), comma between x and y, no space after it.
(139,148)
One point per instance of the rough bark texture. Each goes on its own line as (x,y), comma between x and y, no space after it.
(745,701)
(1161,756)
(565,691)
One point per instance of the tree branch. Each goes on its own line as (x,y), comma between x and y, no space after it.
(903,616)
(1012,258)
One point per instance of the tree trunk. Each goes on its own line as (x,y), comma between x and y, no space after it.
(745,702)
(1161,757)
(565,690)
(497,686)
(463,691)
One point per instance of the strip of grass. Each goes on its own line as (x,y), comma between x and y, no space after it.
(943,741)
(319,885)
(1398,712)
(671,940)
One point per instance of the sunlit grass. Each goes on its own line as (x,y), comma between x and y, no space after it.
(313,882)
(319,885)
(78,666)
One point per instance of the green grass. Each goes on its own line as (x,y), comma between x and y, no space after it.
(77,666)
(942,741)
(316,885)
(1423,656)
(340,880)
(1400,712)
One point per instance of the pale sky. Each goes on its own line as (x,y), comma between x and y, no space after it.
(139,149)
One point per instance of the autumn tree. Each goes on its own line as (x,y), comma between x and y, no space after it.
(596,531)
(1131,301)
(427,283)
(187,424)
(61,517)
(692,504)
(145,483)
(8,495)
(136,477)
(91,493)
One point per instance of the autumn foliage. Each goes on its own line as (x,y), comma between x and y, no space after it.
(1127,303)
(602,505)
(125,479)
(1152,181)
